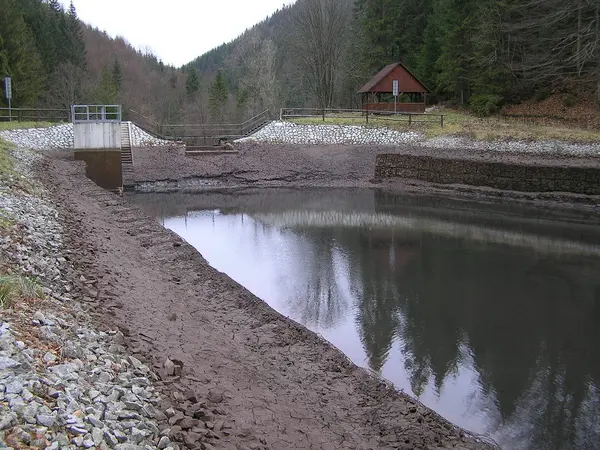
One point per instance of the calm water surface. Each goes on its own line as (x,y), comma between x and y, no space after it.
(489,315)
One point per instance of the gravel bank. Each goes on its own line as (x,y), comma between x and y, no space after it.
(278,132)
(64,383)
(60,137)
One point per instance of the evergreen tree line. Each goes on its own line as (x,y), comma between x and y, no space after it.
(55,61)
(487,52)
(39,45)
(481,54)
(315,53)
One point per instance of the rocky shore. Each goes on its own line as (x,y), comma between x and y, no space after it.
(66,380)
(63,383)
(121,336)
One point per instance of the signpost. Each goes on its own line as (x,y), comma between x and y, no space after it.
(396,92)
(8,95)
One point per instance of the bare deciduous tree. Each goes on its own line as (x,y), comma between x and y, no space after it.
(555,40)
(318,39)
(68,86)
(254,63)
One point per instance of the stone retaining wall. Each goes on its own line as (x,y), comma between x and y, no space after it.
(506,176)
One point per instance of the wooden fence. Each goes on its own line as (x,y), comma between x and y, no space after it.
(34,115)
(361,115)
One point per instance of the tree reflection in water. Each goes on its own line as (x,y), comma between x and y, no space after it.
(529,321)
(525,318)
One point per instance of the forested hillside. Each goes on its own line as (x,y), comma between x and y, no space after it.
(480,53)
(55,60)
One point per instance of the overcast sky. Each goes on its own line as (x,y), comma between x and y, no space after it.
(176,30)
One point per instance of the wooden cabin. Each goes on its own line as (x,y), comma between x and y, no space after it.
(378,93)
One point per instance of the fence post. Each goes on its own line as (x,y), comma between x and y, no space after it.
(409,119)
(281,114)
(442,120)
(367,115)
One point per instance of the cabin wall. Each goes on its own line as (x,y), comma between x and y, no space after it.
(406,82)
(399,107)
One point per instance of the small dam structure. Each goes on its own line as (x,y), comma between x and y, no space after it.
(103,141)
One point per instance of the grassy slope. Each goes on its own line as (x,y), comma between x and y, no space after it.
(6,162)
(20,125)
(458,123)
(13,286)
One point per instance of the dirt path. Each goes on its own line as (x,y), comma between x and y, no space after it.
(270,383)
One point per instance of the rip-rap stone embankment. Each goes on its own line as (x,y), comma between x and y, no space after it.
(291,133)
(63,383)
(278,132)
(61,137)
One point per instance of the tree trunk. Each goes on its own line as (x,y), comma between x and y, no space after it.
(579,58)
(598,51)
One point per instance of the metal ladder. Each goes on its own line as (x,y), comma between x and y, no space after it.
(126,153)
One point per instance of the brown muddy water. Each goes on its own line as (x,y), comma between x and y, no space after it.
(102,166)
(490,315)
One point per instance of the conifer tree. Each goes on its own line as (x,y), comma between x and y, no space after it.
(117,76)
(75,34)
(192,84)
(106,93)
(219,95)
(22,60)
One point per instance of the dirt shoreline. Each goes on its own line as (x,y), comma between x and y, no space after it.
(278,385)
(167,169)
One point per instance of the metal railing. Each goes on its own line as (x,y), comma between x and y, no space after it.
(96,113)
(361,115)
(200,134)
(147,124)
(35,114)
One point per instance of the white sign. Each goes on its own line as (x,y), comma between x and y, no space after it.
(396,88)
(7,88)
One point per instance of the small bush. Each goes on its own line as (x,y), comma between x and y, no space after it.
(14,286)
(484,105)
(541,94)
(569,100)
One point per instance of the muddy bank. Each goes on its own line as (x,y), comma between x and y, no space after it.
(272,382)
(264,163)
(164,169)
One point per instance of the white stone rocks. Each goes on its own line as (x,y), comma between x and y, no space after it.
(50,138)
(94,392)
(60,137)
(140,138)
(291,133)
(514,146)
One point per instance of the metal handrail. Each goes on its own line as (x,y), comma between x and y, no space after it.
(96,113)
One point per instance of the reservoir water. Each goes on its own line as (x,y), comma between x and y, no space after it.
(488,314)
